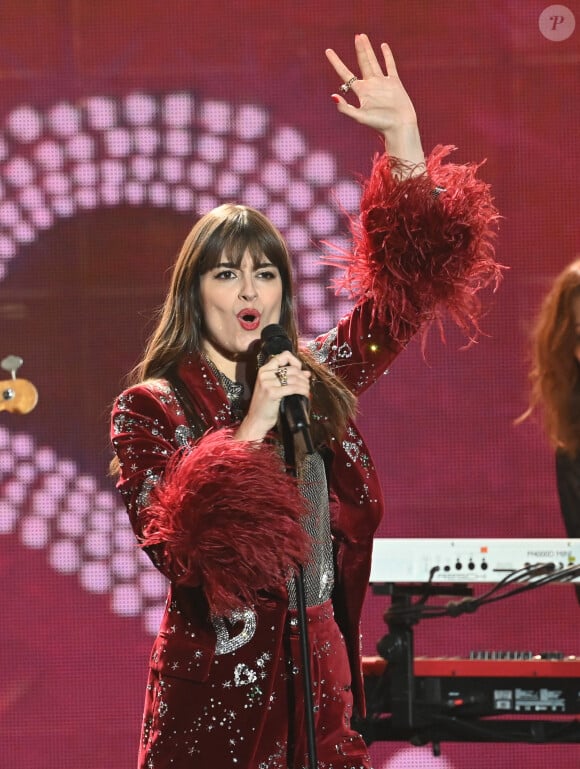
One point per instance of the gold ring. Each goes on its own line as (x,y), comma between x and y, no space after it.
(282,375)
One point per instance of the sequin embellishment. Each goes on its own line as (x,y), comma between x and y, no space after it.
(184,435)
(225,643)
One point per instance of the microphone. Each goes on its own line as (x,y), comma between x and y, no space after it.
(294,407)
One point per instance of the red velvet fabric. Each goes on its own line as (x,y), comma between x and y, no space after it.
(225,725)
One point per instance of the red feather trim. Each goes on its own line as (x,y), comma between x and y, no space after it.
(416,254)
(229,519)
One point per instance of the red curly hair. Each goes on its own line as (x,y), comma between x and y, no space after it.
(555,372)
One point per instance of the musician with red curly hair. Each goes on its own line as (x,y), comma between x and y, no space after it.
(199,459)
(555,385)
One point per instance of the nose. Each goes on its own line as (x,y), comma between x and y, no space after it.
(248,290)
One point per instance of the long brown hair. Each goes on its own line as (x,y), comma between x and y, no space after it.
(555,372)
(234,230)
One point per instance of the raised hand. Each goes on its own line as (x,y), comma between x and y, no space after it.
(384,103)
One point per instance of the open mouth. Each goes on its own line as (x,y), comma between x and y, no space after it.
(249,319)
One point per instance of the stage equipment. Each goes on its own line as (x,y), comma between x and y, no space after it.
(492,696)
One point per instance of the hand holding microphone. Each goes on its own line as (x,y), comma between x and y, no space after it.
(282,387)
(294,406)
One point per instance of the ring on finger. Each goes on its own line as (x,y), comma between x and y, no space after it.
(282,375)
(345,87)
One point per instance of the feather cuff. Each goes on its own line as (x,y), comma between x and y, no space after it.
(229,520)
(417,253)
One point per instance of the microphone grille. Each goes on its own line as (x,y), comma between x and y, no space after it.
(274,329)
(275,340)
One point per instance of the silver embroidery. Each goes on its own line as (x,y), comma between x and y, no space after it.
(351,449)
(225,643)
(276,759)
(123,401)
(243,675)
(183,436)
(151,480)
(322,354)
(123,423)
(344,351)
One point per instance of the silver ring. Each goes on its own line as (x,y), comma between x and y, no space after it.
(282,375)
(345,87)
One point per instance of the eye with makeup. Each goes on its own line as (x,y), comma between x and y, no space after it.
(262,273)
(267,273)
(224,274)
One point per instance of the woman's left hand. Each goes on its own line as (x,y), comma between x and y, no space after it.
(384,103)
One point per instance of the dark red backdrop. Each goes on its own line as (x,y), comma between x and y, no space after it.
(82,266)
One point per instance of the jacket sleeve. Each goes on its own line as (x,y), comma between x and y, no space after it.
(210,511)
(423,247)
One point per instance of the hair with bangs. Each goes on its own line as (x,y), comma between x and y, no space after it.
(228,230)
(555,372)
(244,230)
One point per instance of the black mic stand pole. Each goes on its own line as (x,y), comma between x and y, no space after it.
(289,441)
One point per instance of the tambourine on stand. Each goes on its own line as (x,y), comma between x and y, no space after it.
(17,395)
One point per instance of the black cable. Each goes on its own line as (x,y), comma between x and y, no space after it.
(420,609)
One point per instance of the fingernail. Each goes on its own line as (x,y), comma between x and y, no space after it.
(335,98)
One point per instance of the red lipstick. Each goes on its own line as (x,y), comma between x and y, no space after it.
(249,319)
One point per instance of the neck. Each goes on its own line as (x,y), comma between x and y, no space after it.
(235,369)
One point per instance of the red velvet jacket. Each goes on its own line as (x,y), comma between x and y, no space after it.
(223,521)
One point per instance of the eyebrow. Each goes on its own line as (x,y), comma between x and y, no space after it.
(237,267)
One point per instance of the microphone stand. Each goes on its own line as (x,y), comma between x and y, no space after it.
(289,440)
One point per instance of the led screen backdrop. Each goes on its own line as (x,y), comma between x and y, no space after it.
(120,123)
